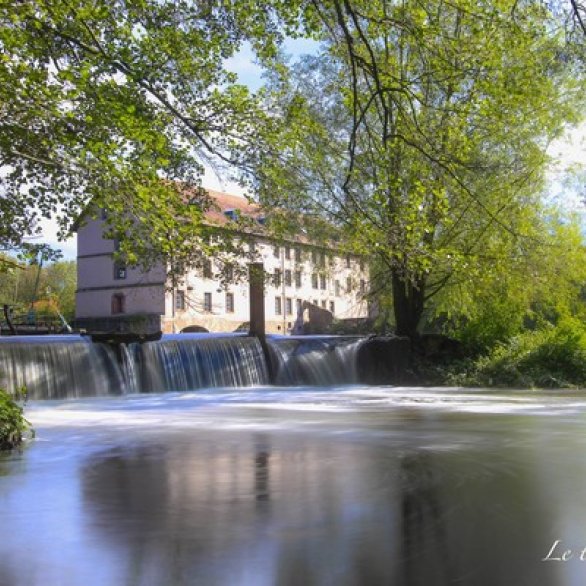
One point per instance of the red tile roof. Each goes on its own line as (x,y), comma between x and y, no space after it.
(226,202)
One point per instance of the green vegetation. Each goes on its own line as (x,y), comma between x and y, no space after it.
(521,323)
(121,103)
(416,135)
(420,130)
(51,287)
(549,357)
(13,425)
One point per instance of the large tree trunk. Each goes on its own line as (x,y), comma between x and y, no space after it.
(408,299)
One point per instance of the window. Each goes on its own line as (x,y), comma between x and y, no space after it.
(288,278)
(116,244)
(314,280)
(207,302)
(119,271)
(322,259)
(289,306)
(314,257)
(298,255)
(361,264)
(287,252)
(229,272)
(332,307)
(180,300)
(347,261)
(277,278)
(278,306)
(229,302)
(362,286)
(207,269)
(337,288)
(316,303)
(276,252)
(297,279)
(323,303)
(322,281)
(252,247)
(118,303)
(298,306)
(348,284)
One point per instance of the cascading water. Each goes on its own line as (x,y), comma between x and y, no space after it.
(185,362)
(57,367)
(315,360)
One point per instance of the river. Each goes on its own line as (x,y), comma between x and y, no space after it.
(344,485)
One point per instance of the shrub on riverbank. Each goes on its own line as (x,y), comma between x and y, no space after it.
(13,424)
(550,357)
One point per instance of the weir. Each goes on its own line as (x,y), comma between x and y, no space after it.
(315,360)
(55,367)
(186,362)
(59,367)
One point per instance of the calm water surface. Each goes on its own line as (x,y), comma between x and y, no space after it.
(342,486)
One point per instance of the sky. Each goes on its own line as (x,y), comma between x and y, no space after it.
(567,152)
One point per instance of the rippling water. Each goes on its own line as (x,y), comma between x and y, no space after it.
(272,486)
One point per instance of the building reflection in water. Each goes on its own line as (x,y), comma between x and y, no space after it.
(266,509)
(426,552)
(261,467)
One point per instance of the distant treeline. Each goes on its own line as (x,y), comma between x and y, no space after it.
(48,289)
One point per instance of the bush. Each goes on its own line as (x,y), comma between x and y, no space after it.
(13,425)
(498,320)
(547,358)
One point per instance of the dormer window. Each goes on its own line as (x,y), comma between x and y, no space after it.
(261,220)
(231,214)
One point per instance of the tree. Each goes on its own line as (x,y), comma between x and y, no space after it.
(579,12)
(530,289)
(120,103)
(421,130)
(49,284)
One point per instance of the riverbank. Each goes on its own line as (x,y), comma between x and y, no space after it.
(553,357)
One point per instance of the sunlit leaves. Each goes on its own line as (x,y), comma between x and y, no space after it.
(421,131)
(101,100)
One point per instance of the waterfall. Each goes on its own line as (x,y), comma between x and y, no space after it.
(185,362)
(319,361)
(57,367)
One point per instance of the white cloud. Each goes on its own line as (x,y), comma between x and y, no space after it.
(49,236)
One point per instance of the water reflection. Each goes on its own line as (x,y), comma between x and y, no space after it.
(261,467)
(358,498)
(267,511)
(424,523)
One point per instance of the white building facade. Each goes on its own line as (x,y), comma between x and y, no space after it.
(304,284)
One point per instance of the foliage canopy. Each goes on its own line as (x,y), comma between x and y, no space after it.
(121,103)
(422,129)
